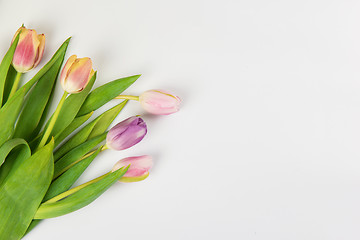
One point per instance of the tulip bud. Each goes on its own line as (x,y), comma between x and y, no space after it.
(29,50)
(76,74)
(126,133)
(138,170)
(159,102)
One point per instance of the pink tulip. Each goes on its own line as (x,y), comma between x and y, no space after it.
(126,133)
(29,50)
(76,74)
(138,170)
(159,102)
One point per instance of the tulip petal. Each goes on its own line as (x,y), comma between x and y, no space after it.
(65,70)
(126,133)
(138,170)
(26,50)
(40,50)
(159,102)
(17,32)
(78,75)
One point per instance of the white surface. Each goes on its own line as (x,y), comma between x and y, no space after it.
(266,145)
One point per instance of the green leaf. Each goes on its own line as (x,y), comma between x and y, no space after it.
(5,65)
(14,151)
(37,101)
(10,111)
(76,154)
(7,147)
(95,128)
(77,122)
(105,93)
(68,178)
(76,140)
(106,119)
(22,192)
(65,181)
(80,198)
(8,115)
(71,107)
(10,78)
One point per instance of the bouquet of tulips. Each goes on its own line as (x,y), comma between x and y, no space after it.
(42,156)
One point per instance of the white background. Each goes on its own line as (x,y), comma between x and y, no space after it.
(266,145)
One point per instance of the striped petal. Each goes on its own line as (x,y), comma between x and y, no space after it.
(138,170)
(65,70)
(78,75)
(40,50)
(26,51)
(159,102)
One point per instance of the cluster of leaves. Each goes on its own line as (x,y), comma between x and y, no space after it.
(35,183)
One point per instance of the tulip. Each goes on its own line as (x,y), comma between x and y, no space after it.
(76,74)
(126,133)
(29,50)
(74,77)
(138,170)
(159,102)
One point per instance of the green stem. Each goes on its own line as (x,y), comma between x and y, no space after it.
(75,189)
(90,153)
(136,98)
(15,85)
(72,164)
(52,122)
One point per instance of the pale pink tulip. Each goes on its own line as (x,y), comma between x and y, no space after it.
(29,50)
(138,170)
(76,74)
(159,102)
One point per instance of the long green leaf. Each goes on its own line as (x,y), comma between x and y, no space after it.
(22,192)
(5,65)
(10,78)
(10,111)
(7,147)
(77,122)
(8,115)
(79,138)
(80,198)
(65,181)
(14,151)
(106,119)
(95,128)
(71,107)
(76,154)
(68,178)
(37,101)
(105,93)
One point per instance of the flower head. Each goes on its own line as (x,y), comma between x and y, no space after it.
(138,170)
(159,102)
(29,49)
(76,74)
(126,133)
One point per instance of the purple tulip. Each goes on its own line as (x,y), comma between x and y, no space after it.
(126,134)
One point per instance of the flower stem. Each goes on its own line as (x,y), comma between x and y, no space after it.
(15,85)
(72,164)
(90,153)
(136,98)
(52,121)
(75,189)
